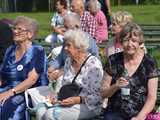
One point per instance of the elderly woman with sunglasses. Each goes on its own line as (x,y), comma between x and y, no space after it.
(130,82)
(24,66)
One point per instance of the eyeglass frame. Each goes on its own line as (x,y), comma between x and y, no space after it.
(19,29)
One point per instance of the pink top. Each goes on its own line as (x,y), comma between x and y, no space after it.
(118,46)
(102,29)
(113,46)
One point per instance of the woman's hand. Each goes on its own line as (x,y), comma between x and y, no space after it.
(121,82)
(59,30)
(71,101)
(5,95)
(52,73)
(51,99)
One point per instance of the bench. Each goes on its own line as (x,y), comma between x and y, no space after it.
(151,30)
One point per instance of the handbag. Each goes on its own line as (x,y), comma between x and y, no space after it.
(72,89)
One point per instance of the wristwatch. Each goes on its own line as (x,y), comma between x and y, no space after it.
(14,91)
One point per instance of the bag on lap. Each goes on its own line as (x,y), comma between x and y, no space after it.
(72,89)
(69,90)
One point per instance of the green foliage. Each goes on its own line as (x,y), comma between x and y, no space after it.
(43,18)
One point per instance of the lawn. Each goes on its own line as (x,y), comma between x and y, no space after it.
(142,15)
(42,17)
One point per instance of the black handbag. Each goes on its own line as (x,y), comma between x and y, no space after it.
(72,89)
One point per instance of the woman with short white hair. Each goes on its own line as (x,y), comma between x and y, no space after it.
(79,38)
(89,71)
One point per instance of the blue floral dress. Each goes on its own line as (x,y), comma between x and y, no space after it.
(131,105)
(14,72)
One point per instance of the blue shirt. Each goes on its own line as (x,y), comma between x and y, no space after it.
(14,72)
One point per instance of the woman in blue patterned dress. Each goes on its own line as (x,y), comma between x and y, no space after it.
(24,66)
(136,101)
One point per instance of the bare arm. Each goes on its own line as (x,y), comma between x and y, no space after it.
(28,82)
(58,29)
(151,100)
(54,74)
(107,89)
(107,2)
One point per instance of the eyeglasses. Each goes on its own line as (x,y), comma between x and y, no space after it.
(19,29)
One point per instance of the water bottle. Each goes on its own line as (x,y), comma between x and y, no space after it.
(56,111)
(125,91)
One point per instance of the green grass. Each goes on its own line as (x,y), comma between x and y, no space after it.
(43,19)
(142,15)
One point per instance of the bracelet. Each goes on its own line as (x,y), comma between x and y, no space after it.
(14,91)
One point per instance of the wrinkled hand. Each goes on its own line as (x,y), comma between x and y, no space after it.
(52,73)
(50,99)
(5,95)
(70,101)
(61,30)
(122,82)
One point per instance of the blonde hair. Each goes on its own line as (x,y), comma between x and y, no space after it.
(122,17)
